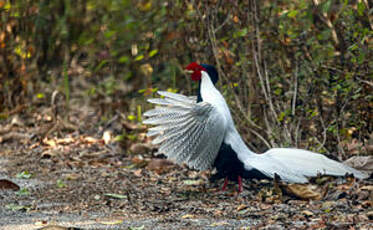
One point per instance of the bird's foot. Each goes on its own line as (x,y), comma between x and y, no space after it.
(239,179)
(225,184)
(239,184)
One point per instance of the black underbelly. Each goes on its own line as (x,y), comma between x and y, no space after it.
(228,165)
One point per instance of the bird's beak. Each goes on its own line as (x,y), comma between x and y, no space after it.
(188,71)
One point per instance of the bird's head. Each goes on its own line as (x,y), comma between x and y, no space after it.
(195,71)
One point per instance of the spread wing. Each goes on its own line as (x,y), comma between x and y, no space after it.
(187,132)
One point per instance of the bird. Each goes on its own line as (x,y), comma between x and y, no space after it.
(200,132)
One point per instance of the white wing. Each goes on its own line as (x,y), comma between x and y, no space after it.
(297,165)
(188,132)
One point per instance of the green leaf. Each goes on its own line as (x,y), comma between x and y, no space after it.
(119,138)
(139,58)
(292,13)
(324,35)
(193,182)
(244,211)
(109,34)
(15,207)
(139,117)
(102,63)
(314,113)
(40,95)
(24,175)
(172,90)
(132,137)
(326,6)
(153,52)
(60,183)
(240,33)
(360,8)
(131,117)
(7,6)
(137,228)
(23,192)
(281,116)
(87,41)
(353,47)
(123,59)
(278,91)
(116,196)
(328,210)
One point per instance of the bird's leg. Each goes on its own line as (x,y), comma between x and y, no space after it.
(225,184)
(239,184)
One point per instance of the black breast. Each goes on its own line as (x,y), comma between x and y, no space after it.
(228,165)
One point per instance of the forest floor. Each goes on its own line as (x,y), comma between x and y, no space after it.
(71,173)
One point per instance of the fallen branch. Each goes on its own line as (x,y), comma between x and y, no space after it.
(14,135)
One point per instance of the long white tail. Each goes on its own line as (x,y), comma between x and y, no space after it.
(297,165)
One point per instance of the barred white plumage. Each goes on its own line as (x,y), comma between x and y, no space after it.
(186,129)
(201,133)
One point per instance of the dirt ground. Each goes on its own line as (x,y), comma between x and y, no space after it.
(81,173)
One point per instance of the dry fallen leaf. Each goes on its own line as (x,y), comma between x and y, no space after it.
(138,172)
(72,176)
(362,163)
(97,163)
(49,153)
(188,216)
(129,126)
(160,166)
(54,227)
(241,207)
(146,69)
(52,143)
(141,148)
(218,212)
(90,140)
(111,222)
(302,191)
(116,196)
(66,140)
(41,223)
(367,187)
(216,224)
(193,182)
(236,19)
(328,205)
(139,162)
(17,121)
(14,136)
(264,206)
(307,213)
(370,215)
(8,185)
(367,203)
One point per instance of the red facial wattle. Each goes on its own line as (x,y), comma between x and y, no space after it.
(196,75)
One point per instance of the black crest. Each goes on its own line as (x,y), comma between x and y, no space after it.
(211,70)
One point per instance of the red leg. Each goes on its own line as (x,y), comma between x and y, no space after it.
(239,184)
(225,184)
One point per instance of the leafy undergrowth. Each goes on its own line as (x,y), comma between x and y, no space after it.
(93,170)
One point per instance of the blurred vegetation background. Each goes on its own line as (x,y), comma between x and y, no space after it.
(295,72)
